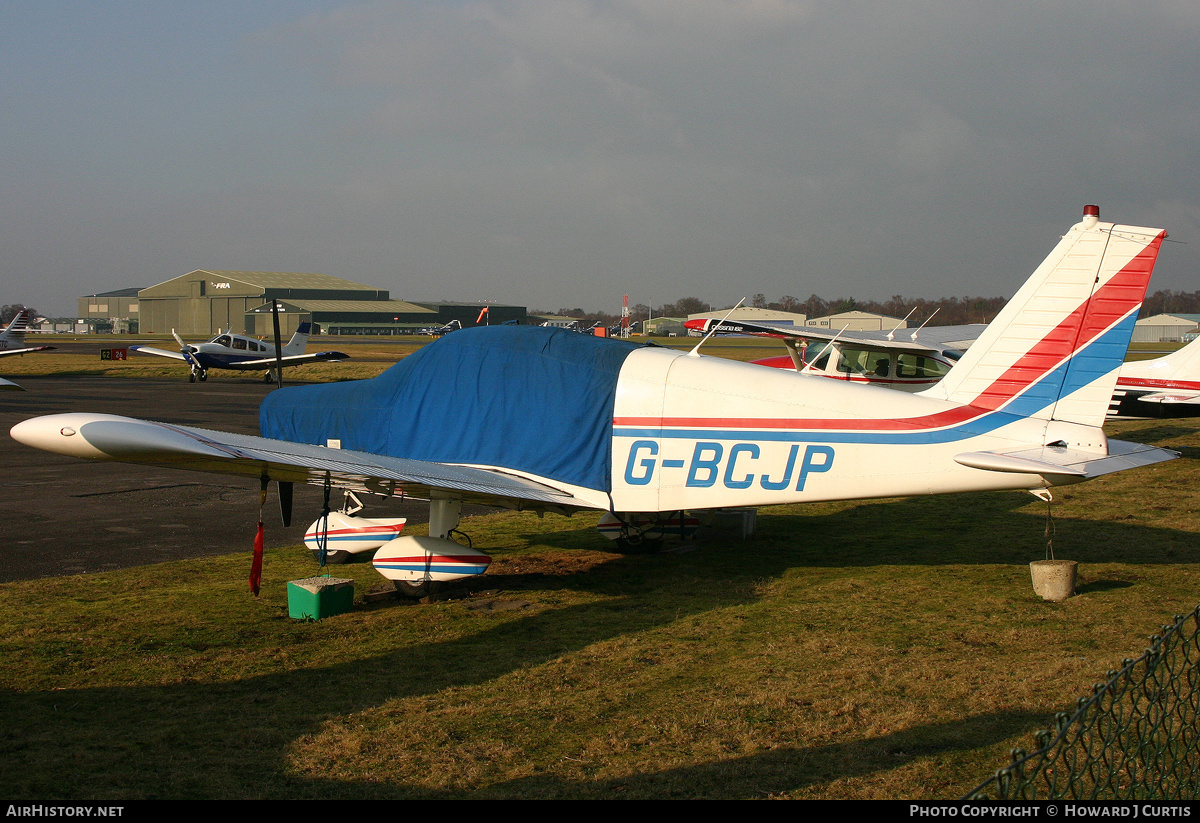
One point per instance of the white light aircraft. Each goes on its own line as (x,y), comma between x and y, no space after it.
(12,341)
(912,363)
(542,419)
(1165,387)
(239,352)
(1170,385)
(438,331)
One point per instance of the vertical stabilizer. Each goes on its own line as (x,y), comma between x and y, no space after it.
(1055,349)
(299,341)
(15,331)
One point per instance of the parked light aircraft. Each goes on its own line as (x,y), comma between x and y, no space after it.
(12,341)
(241,353)
(1164,387)
(543,419)
(913,363)
(438,331)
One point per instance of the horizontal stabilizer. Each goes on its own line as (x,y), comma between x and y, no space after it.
(1192,398)
(1059,462)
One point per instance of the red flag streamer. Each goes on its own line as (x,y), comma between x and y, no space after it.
(256,563)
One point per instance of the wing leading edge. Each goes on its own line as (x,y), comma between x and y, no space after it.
(126,439)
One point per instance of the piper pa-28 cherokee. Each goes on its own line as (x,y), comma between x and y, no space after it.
(241,353)
(543,419)
(12,341)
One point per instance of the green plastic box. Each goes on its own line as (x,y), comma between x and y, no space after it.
(315,598)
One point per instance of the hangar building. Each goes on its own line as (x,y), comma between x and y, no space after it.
(114,311)
(205,302)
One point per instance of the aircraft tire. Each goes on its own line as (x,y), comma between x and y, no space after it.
(191,377)
(203,376)
(415,590)
(639,545)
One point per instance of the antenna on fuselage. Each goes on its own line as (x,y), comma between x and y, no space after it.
(696,351)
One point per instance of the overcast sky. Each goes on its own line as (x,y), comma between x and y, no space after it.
(560,153)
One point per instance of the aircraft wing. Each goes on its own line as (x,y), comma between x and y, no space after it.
(129,440)
(932,339)
(8,385)
(26,350)
(290,360)
(174,355)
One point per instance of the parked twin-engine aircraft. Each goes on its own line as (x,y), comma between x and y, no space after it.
(12,341)
(241,353)
(543,419)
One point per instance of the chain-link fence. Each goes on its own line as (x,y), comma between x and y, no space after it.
(1137,736)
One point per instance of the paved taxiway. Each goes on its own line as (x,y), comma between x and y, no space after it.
(62,515)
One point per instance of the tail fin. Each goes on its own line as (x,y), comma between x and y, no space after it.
(299,341)
(1054,351)
(15,331)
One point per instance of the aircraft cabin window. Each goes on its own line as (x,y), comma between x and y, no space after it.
(856,361)
(223,340)
(916,366)
(821,362)
(239,343)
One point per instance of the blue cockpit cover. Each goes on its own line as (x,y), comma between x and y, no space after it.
(533,399)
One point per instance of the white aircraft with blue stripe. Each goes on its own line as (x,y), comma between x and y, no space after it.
(543,419)
(240,352)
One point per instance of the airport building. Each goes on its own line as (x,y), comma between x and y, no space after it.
(1164,328)
(750,314)
(858,321)
(205,302)
(110,311)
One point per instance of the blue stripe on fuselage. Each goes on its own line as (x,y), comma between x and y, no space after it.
(1093,361)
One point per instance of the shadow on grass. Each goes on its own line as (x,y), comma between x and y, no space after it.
(763,775)
(207,739)
(229,739)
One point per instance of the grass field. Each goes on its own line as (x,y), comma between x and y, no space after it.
(872,649)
